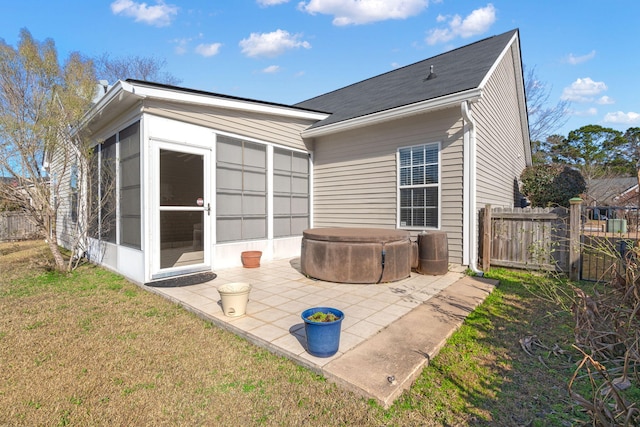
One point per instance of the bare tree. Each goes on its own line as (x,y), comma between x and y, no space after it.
(133,67)
(42,103)
(544,119)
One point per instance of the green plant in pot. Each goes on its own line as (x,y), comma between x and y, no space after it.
(322,326)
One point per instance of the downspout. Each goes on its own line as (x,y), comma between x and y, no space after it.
(469,217)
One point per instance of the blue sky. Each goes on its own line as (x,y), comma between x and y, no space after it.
(287,51)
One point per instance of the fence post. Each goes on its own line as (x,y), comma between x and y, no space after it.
(486,239)
(575,255)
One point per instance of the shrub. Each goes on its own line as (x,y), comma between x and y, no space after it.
(546,185)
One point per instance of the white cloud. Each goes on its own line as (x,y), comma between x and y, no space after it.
(588,112)
(208,50)
(620,117)
(181,46)
(575,60)
(159,15)
(477,22)
(272,44)
(583,90)
(357,12)
(266,3)
(605,100)
(271,69)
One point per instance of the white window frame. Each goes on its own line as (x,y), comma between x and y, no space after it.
(399,188)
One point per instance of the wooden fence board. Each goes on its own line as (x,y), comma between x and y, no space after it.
(527,238)
(16,226)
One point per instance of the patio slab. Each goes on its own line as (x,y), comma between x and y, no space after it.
(385,341)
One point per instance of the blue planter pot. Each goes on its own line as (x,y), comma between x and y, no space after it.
(323,338)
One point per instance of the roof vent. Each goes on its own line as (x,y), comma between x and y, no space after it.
(431,75)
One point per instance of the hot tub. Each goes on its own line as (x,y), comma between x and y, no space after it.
(356,255)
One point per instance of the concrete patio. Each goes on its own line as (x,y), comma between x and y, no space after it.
(389,332)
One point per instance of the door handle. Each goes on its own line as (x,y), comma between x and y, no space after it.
(208,208)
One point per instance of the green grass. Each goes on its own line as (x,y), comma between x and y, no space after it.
(104,352)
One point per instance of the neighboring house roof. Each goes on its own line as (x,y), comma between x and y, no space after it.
(628,198)
(454,72)
(603,192)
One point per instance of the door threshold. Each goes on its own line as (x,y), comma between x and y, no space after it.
(183,280)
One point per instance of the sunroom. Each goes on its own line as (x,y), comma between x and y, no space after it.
(185,181)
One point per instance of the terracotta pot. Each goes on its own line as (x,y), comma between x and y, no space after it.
(251,259)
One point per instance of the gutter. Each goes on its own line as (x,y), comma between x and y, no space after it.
(421,107)
(470,249)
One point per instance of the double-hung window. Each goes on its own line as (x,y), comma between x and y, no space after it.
(419,186)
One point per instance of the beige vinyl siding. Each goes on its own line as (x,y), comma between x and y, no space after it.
(499,135)
(60,174)
(269,128)
(355,183)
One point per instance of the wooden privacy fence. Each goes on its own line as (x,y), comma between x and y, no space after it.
(16,226)
(538,239)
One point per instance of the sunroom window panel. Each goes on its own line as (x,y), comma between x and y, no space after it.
(300,205)
(300,184)
(229,229)
(281,226)
(254,181)
(281,205)
(254,204)
(281,183)
(229,150)
(254,228)
(300,163)
(229,204)
(255,155)
(299,224)
(281,160)
(229,178)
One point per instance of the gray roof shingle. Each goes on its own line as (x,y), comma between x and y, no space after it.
(456,71)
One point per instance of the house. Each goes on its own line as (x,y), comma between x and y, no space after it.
(191,179)
(604,195)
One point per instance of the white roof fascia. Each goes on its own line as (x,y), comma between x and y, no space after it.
(498,60)
(220,102)
(446,101)
(106,99)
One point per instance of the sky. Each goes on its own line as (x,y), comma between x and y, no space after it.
(287,51)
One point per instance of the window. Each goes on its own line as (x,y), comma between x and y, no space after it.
(108,190)
(241,199)
(129,140)
(73,193)
(419,188)
(104,185)
(290,192)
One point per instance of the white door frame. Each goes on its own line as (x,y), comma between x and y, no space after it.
(156,271)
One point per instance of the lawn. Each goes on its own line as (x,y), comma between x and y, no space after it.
(90,348)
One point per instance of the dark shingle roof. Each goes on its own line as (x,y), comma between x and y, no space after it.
(603,191)
(457,70)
